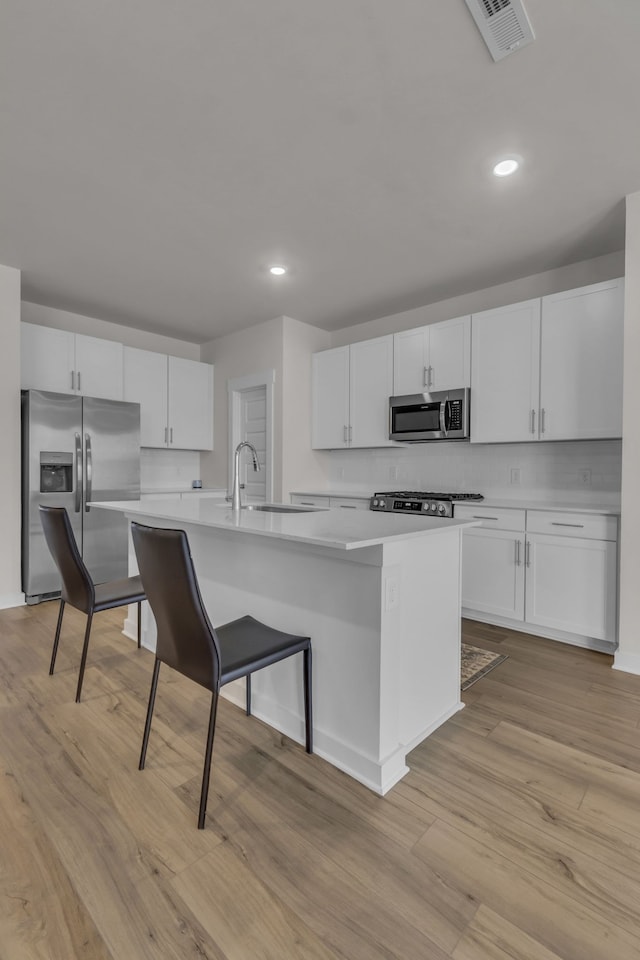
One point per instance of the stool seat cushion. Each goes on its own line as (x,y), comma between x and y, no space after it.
(247,645)
(115,593)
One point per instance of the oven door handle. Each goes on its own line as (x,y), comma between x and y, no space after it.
(443,417)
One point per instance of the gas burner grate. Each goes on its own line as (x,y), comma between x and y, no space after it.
(422,495)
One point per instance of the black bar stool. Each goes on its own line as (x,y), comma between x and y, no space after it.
(78,589)
(188,642)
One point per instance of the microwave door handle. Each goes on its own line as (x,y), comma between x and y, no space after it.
(89,471)
(443,417)
(78,502)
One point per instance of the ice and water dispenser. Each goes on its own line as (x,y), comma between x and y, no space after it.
(56,472)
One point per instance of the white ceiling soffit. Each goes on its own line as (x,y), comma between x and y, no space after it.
(504,25)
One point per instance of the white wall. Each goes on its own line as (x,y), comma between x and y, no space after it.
(537,285)
(546,470)
(93,327)
(237,355)
(628,655)
(10,594)
(302,467)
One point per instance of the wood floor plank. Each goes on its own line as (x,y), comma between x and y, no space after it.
(561,923)
(514,836)
(491,937)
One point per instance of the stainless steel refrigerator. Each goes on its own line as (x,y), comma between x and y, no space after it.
(74,450)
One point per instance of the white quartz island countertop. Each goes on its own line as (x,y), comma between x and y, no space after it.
(379,596)
(343,530)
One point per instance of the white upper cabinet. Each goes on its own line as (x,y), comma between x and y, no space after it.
(190,417)
(351,387)
(549,369)
(370,386)
(99,368)
(435,357)
(145,382)
(175,397)
(67,362)
(581,363)
(330,399)
(505,369)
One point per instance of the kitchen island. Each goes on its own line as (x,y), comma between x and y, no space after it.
(379,595)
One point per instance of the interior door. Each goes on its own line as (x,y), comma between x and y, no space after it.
(253,427)
(111,438)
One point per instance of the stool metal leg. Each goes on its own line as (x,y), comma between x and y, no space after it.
(308,717)
(204,793)
(56,640)
(83,661)
(147,725)
(139,621)
(248,679)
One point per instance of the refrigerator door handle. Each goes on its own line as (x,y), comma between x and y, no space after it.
(89,471)
(78,502)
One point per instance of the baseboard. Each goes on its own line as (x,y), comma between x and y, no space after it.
(11,600)
(521,626)
(627,662)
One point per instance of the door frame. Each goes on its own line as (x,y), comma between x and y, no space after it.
(235,388)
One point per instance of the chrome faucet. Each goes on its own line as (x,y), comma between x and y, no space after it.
(235,496)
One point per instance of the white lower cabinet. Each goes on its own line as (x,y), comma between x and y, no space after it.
(492,575)
(561,584)
(340,503)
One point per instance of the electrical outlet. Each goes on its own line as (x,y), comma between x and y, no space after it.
(393,473)
(392,593)
(515,475)
(585,477)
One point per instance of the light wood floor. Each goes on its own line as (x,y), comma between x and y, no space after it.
(516,836)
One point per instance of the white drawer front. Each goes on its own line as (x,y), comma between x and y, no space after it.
(497,518)
(309,501)
(349,503)
(588,526)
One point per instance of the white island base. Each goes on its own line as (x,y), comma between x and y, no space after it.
(384,621)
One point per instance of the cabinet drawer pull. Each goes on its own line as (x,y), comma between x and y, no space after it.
(476,516)
(555,523)
(347,506)
(307,503)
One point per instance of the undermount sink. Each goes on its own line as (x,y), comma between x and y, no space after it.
(276,508)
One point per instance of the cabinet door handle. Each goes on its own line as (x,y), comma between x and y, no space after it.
(166,434)
(517,543)
(425,379)
(350,433)
(73,380)
(556,523)
(533,421)
(527,553)
(345,433)
(78,381)
(171,435)
(542,416)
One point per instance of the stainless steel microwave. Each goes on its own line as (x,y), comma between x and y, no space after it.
(419,417)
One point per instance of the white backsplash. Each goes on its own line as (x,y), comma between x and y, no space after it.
(168,469)
(546,470)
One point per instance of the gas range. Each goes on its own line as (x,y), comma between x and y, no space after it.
(415,501)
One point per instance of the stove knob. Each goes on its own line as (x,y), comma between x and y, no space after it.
(433,506)
(375,503)
(441,508)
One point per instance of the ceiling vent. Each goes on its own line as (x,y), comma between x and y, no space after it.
(504,25)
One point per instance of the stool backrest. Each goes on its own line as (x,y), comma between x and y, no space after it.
(186,640)
(77,585)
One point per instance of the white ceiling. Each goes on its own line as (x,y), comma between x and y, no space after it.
(156,156)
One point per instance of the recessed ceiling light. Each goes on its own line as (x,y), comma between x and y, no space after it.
(504,168)
(277,270)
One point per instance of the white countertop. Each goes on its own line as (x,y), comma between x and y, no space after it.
(344,530)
